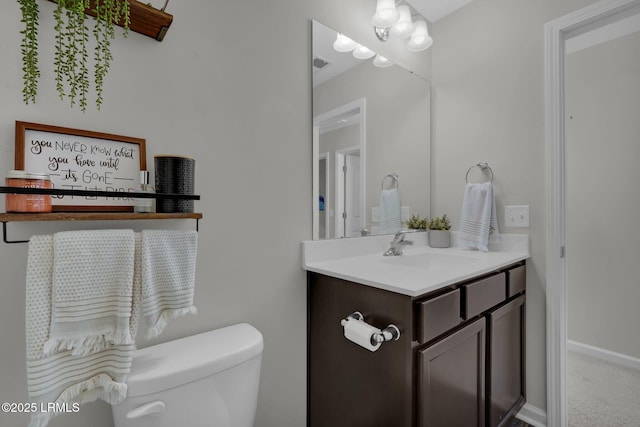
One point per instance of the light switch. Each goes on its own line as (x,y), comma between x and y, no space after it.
(375,214)
(405,213)
(517,216)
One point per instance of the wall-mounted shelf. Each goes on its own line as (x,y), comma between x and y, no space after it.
(145,19)
(91,216)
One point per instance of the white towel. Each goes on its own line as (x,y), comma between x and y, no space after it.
(168,276)
(478,219)
(390,213)
(62,378)
(92,290)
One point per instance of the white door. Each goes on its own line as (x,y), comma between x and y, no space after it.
(352,195)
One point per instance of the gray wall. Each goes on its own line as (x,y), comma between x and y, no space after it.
(602,151)
(231,86)
(488,105)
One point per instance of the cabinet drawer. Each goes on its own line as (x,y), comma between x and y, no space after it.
(438,315)
(482,295)
(516,280)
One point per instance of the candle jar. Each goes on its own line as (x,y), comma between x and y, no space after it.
(174,174)
(28,203)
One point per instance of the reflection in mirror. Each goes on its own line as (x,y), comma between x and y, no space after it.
(369,122)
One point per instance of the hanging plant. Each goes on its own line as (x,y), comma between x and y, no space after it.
(29,49)
(71,46)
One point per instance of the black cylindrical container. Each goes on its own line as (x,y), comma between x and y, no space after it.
(174,174)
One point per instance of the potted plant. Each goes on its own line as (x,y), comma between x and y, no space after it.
(417,223)
(71,44)
(439,234)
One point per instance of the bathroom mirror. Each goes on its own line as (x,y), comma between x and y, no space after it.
(368,123)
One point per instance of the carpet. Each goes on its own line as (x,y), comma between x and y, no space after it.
(601,393)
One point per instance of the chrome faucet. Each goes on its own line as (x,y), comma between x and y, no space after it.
(398,243)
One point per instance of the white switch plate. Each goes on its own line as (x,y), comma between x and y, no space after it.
(405,213)
(517,216)
(375,214)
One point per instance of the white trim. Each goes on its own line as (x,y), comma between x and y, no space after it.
(603,354)
(315,216)
(359,109)
(327,197)
(556,33)
(339,185)
(532,415)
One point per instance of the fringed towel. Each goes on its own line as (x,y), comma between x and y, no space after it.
(92,286)
(62,378)
(168,276)
(478,219)
(390,212)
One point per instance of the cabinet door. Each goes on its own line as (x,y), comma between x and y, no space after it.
(451,379)
(506,370)
(350,386)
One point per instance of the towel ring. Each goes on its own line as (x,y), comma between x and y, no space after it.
(394,177)
(483,167)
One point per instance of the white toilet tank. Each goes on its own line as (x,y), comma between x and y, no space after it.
(209,379)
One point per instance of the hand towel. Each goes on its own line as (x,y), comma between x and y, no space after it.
(478,219)
(62,378)
(390,213)
(91,290)
(168,276)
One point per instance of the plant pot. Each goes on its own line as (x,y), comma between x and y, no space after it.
(439,238)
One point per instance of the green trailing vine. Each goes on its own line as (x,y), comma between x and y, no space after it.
(29,49)
(71,46)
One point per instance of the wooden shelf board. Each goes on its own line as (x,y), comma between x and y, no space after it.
(145,19)
(93,216)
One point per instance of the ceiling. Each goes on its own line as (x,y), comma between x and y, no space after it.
(323,37)
(433,10)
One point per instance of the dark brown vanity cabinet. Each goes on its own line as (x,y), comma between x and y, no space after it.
(459,360)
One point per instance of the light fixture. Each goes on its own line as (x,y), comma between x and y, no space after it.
(386,14)
(344,43)
(362,52)
(404,27)
(381,61)
(390,21)
(420,38)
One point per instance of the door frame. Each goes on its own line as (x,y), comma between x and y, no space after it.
(328,206)
(323,123)
(340,156)
(557,32)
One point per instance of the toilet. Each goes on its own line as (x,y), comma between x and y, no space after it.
(209,379)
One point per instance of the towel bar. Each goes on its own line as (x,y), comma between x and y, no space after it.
(88,216)
(394,177)
(484,166)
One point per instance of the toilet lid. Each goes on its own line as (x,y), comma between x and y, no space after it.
(174,363)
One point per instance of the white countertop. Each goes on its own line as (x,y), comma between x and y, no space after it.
(419,270)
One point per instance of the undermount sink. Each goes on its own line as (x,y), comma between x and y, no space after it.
(430,259)
(420,269)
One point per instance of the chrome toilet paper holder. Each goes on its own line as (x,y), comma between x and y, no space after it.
(390,333)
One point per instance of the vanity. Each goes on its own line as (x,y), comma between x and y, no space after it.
(460,356)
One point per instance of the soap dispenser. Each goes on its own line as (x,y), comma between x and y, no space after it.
(144,205)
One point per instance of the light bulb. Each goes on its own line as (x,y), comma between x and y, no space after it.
(404,26)
(343,43)
(420,38)
(381,61)
(386,14)
(362,52)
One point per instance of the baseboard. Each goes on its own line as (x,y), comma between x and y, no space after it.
(532,415)
(607,355)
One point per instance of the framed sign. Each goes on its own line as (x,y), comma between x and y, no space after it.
(82,160)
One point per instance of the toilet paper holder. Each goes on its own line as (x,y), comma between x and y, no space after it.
(390,333)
